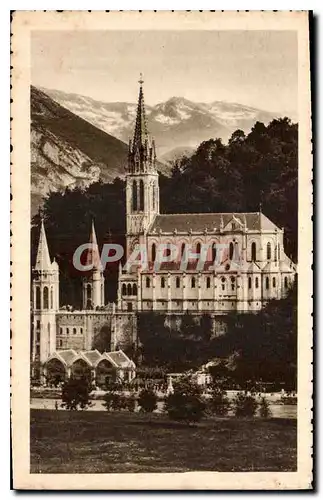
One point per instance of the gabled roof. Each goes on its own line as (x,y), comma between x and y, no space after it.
(168,223)
(119,359)
(285,267)
(254,268)
(92,356)
(68,355)
(271,267)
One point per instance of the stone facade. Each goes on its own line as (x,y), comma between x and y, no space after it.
(236,262)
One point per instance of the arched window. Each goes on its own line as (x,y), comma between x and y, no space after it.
(182,249)
(232,283)
(129,289)
(286,282)
(60,343)
(249,282)
(268,251)
(61,331)
(134,289)
(257,282)
(51,298)
(223,283)
(45,297)
(147,282)
(193,282)
(178,282)
(141,195)
(134,196)
(231,250)
(278,251)
(153,252)
(198,248)
(253,251)
(89,291)
(162,282)
(213,252)
(274,282)
(67,331)
(81,331)
(208,282)
(74,331)
(267,283)
(124,289)
(154,197)
(37,297)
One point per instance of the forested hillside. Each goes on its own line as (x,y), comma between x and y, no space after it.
(251,171)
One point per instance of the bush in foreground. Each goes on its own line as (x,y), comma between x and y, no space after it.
(147,400)
(76,394)
(218,403)
(264,410)
(186,403)
(245,405)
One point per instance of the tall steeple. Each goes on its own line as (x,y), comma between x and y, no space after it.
(142,190)
(93,255)
(142,152)
(43,262)
(93,283)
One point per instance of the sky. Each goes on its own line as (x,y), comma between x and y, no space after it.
(255,68)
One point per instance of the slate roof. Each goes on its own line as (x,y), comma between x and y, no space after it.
(199,222)
(92,356)
(119,358)
(68,355)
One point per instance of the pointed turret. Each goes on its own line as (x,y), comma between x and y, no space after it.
(43,262)
(141,132)
(93,284)
(45,301)
(142,153)
(93,255)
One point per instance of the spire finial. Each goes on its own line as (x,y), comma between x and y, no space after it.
(141,81)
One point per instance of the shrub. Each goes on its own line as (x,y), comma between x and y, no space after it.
(147,400)
(130,403)
(245,405)
(186,403)
(264,410)
(114,401)
(76,394)
(218,403)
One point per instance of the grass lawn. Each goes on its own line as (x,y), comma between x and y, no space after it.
(94,442)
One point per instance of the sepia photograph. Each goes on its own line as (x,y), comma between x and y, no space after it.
(166,216)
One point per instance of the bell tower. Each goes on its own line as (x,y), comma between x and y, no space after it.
(142,188)
(45,301)
(93,283)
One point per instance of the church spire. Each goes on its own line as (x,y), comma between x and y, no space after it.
(93,255)
(141,132)
(43,262)
(142,153)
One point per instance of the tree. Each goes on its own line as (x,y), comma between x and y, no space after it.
(218,403)
(245,405)
(147,400)
(264,409)
(186,403)
(76,394)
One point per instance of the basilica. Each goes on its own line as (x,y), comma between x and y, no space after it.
(252,269)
